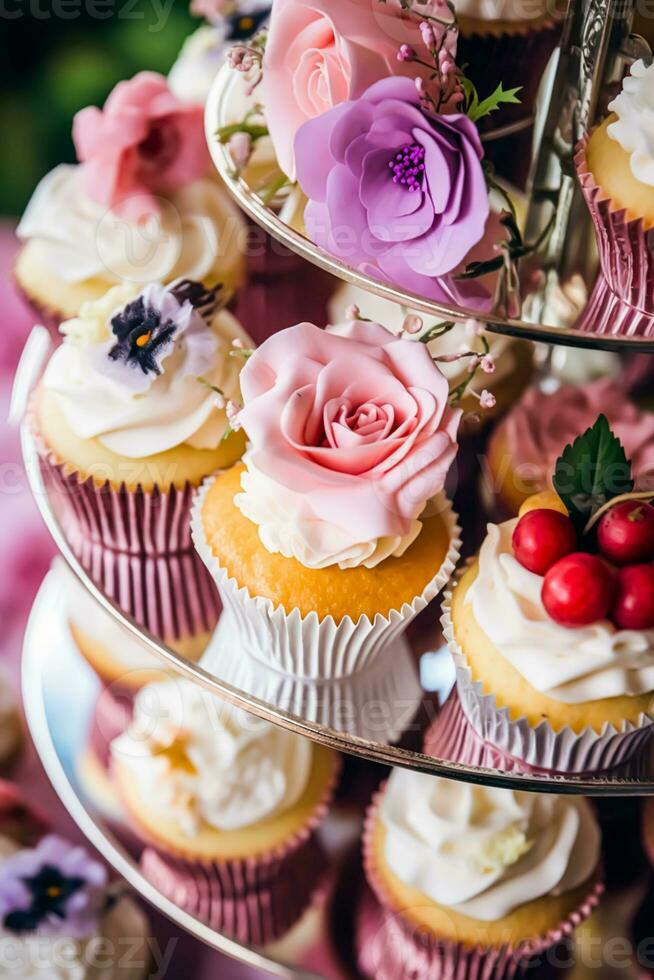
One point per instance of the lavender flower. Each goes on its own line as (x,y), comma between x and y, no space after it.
(54,888)
(394,188)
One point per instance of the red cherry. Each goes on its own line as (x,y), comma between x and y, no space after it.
(541,538)
(579,590)
(634,608)
(626,533)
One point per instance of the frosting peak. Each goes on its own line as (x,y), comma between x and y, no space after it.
(573,665)
(200,760)
(351,434)
(485,851)
(136,370)
(634,127)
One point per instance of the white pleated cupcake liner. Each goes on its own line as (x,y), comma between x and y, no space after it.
(377,704)
(307,646)
(563,751)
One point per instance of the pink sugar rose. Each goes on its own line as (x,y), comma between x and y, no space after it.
(320,53)
(354,419)
(143,143)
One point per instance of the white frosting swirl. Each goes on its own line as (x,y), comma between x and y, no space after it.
(634,127)
(510,10)
(200,235)
(174,409)
(289,528)
(482,851)
(569,665)
(198,759)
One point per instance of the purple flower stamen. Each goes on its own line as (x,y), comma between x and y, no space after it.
(408,166)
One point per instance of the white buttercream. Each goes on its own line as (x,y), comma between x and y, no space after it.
(174,409)
(237,770)
(569,665)
(510,10)
(634,127)
(288,527)
(482,851)
(200,234)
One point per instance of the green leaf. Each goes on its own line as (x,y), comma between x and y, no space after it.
(592,470)
(477,109)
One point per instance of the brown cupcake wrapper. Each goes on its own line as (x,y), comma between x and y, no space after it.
(626,252)
(515,58)
(541,747)
(253,899)
(136,546)
(396,949)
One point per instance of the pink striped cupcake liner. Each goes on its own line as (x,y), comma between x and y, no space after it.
(112,714)
(136,546)
(255,900)
(391,948)
(622,303)
(541,747)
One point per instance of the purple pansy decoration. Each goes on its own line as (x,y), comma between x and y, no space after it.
(394,189)
(54,889)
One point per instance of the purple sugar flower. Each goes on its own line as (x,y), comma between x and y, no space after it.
(55,889)
(393,187)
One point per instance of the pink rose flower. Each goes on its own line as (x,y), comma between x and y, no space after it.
(352,418)
(320,53)
(144,143)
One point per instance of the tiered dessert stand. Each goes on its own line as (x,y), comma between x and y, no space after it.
(595,43)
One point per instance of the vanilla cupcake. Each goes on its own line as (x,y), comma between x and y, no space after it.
(615,166)
(61,919)
(559,697)
(133,210)
(129,418)
(487,879)
(119,659)
(228,806)
(525,445)
(334,533)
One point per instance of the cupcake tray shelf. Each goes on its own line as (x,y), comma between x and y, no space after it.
(595,36)
(418,681)
(321,946)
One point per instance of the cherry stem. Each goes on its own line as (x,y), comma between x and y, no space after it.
(641,495)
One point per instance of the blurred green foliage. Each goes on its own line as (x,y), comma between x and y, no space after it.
(57,56)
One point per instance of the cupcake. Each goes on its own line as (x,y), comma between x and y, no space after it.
(133,210)
(228,806)
(61,919)
(525,445)
(616,172)
(508,42)
(129,418)
(552,626)
(473,881)
(334,533)
(120,660)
